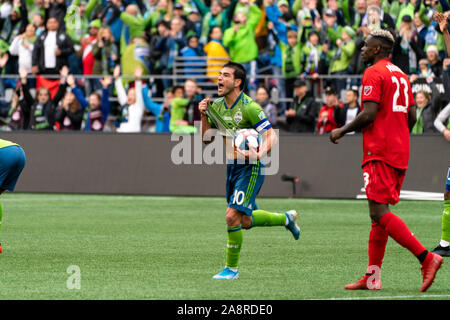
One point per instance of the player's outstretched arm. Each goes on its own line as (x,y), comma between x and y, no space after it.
(366,117)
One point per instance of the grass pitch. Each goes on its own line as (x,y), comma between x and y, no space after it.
(141,247)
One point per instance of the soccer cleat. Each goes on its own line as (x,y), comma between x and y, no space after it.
(1,249)
(361,284)
(227,274)
(442,251)
(292,225)
(429,270)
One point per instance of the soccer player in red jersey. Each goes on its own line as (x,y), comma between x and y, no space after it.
(387,117)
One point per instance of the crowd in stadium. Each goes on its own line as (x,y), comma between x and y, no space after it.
(302,50)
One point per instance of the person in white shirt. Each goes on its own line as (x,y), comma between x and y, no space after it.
(132,103)
(51,49)
(22,46)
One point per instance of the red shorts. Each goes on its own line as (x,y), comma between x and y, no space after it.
(382,182)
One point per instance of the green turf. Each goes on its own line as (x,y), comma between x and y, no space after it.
(138,247)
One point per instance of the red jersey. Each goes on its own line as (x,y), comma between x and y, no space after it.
(387,138)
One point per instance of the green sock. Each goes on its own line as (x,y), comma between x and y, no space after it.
(234,244)
(263,218)
(446,221)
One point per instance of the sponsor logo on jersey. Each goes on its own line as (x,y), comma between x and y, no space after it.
(367,90)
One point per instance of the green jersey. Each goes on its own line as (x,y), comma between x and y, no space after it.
(243,114)
(6,143)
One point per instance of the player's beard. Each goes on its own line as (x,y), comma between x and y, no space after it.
(223,91)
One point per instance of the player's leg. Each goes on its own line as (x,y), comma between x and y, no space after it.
(254,217)
(383,184)
(12,162)
(443,248)
(234,243)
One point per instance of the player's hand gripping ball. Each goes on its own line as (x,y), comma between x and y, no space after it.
(245,138)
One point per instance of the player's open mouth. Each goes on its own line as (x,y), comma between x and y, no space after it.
(220,86)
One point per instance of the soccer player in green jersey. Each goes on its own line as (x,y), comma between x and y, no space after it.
(234,110)
(12,162)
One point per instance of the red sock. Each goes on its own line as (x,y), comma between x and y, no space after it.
(378,238)
(399,231)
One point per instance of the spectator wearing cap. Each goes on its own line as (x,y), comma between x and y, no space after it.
(214,15)
(434,60)
(407,9)
(326,121)
(51,49)
(301,117)
(407,49)
(163,12)
(179,11)
(342,56)
(240,40)
(194,17)
(87,43)
(351,108)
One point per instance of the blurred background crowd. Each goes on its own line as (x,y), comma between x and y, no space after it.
(143,66)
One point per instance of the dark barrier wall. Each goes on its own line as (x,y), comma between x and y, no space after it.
(141,164)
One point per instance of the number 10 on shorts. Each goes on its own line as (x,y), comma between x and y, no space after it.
(238,197)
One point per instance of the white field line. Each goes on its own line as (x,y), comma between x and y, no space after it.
(412,195)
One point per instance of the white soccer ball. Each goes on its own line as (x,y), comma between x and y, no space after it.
(245,138)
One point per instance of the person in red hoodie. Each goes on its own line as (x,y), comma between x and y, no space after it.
(326,121)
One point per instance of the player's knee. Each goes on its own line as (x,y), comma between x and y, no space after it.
(447,195)
(232,217)
(246,222)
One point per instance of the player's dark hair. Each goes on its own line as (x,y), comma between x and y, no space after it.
(239,72)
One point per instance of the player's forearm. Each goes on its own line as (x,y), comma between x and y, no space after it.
(361,121)
(205,128)
(270,139)
(446,35)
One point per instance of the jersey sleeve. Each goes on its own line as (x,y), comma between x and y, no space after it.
(258,118)
(372,83)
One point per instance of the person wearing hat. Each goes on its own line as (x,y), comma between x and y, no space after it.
(351,108)
(301,117)
(326,121)
(434,60)
(342,56)
(87,43)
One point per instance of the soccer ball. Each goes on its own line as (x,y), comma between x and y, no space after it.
(245,138)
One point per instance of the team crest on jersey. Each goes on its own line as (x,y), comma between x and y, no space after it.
(238,117)
(367,90)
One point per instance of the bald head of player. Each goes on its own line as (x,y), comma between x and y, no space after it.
(378,45)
